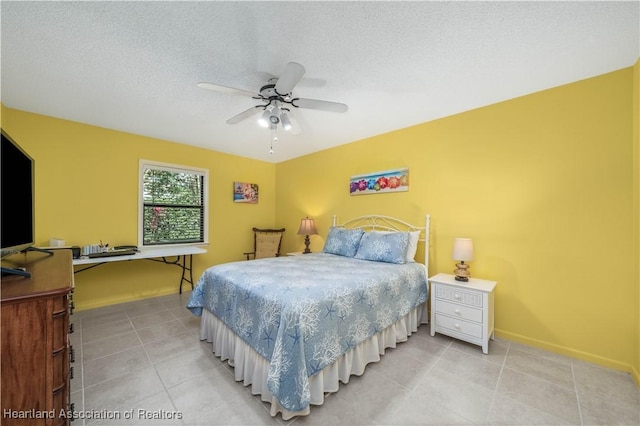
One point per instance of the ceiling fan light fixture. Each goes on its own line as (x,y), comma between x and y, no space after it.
(274,113)
(264,119)
(286,122)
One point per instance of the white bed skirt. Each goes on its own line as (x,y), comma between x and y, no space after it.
(252,369)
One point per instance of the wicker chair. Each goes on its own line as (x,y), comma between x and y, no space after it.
(266,243)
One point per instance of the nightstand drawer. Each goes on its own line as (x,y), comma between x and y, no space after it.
(457,295)
(460,326)
(458,311)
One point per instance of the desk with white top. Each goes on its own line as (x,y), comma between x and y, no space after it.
(159,254)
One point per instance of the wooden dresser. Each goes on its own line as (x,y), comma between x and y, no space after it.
(36,354)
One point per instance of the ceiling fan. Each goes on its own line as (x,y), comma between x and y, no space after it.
(277,100)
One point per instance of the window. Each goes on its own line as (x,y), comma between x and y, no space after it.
(173,205)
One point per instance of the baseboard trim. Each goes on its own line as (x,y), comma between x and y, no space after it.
(129,298)
(636,376)
(563,350)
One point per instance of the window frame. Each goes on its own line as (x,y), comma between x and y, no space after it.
(174,168)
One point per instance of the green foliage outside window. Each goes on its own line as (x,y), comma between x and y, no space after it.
(173,205)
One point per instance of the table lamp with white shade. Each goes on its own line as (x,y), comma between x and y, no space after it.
(462,251)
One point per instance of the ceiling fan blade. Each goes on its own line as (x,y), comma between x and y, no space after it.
(320,105)
(245,114)
(225,89)
(291,75)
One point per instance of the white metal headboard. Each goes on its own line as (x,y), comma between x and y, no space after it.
(388,223)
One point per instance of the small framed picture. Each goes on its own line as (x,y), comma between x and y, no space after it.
(245,193)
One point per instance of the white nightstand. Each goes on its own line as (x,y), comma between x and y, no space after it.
(463,310)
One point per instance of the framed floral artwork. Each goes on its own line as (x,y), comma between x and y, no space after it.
(380,182)
(245,193)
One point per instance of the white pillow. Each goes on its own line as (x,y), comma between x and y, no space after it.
(413,244)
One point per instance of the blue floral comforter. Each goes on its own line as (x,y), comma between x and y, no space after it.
(303,312)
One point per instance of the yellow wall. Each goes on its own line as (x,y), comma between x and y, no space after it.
(542,184)
(87,191)
(636,214)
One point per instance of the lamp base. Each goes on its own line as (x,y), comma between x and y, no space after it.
(462,272)
(307,241)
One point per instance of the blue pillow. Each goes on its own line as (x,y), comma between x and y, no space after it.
(390,248)
(343,242)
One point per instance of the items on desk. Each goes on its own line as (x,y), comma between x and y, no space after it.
(90,249)
(114,252)
(103,250)
(57,242)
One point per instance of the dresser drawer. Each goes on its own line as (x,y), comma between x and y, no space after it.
(458,325)
(458,311)
(59,329)
(59,304)
(60,369)
(60,406)
(462,296)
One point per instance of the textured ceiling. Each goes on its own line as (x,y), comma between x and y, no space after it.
(133,66)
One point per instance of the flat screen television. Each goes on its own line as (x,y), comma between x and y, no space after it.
(17,198)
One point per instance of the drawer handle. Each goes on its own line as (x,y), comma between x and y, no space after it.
(457,296)
(457,311)
(456,325)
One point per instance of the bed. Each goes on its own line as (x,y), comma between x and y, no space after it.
(293,327)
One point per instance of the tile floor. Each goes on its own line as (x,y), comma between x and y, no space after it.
(144,358)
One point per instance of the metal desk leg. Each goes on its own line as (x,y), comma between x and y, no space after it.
(188,279)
